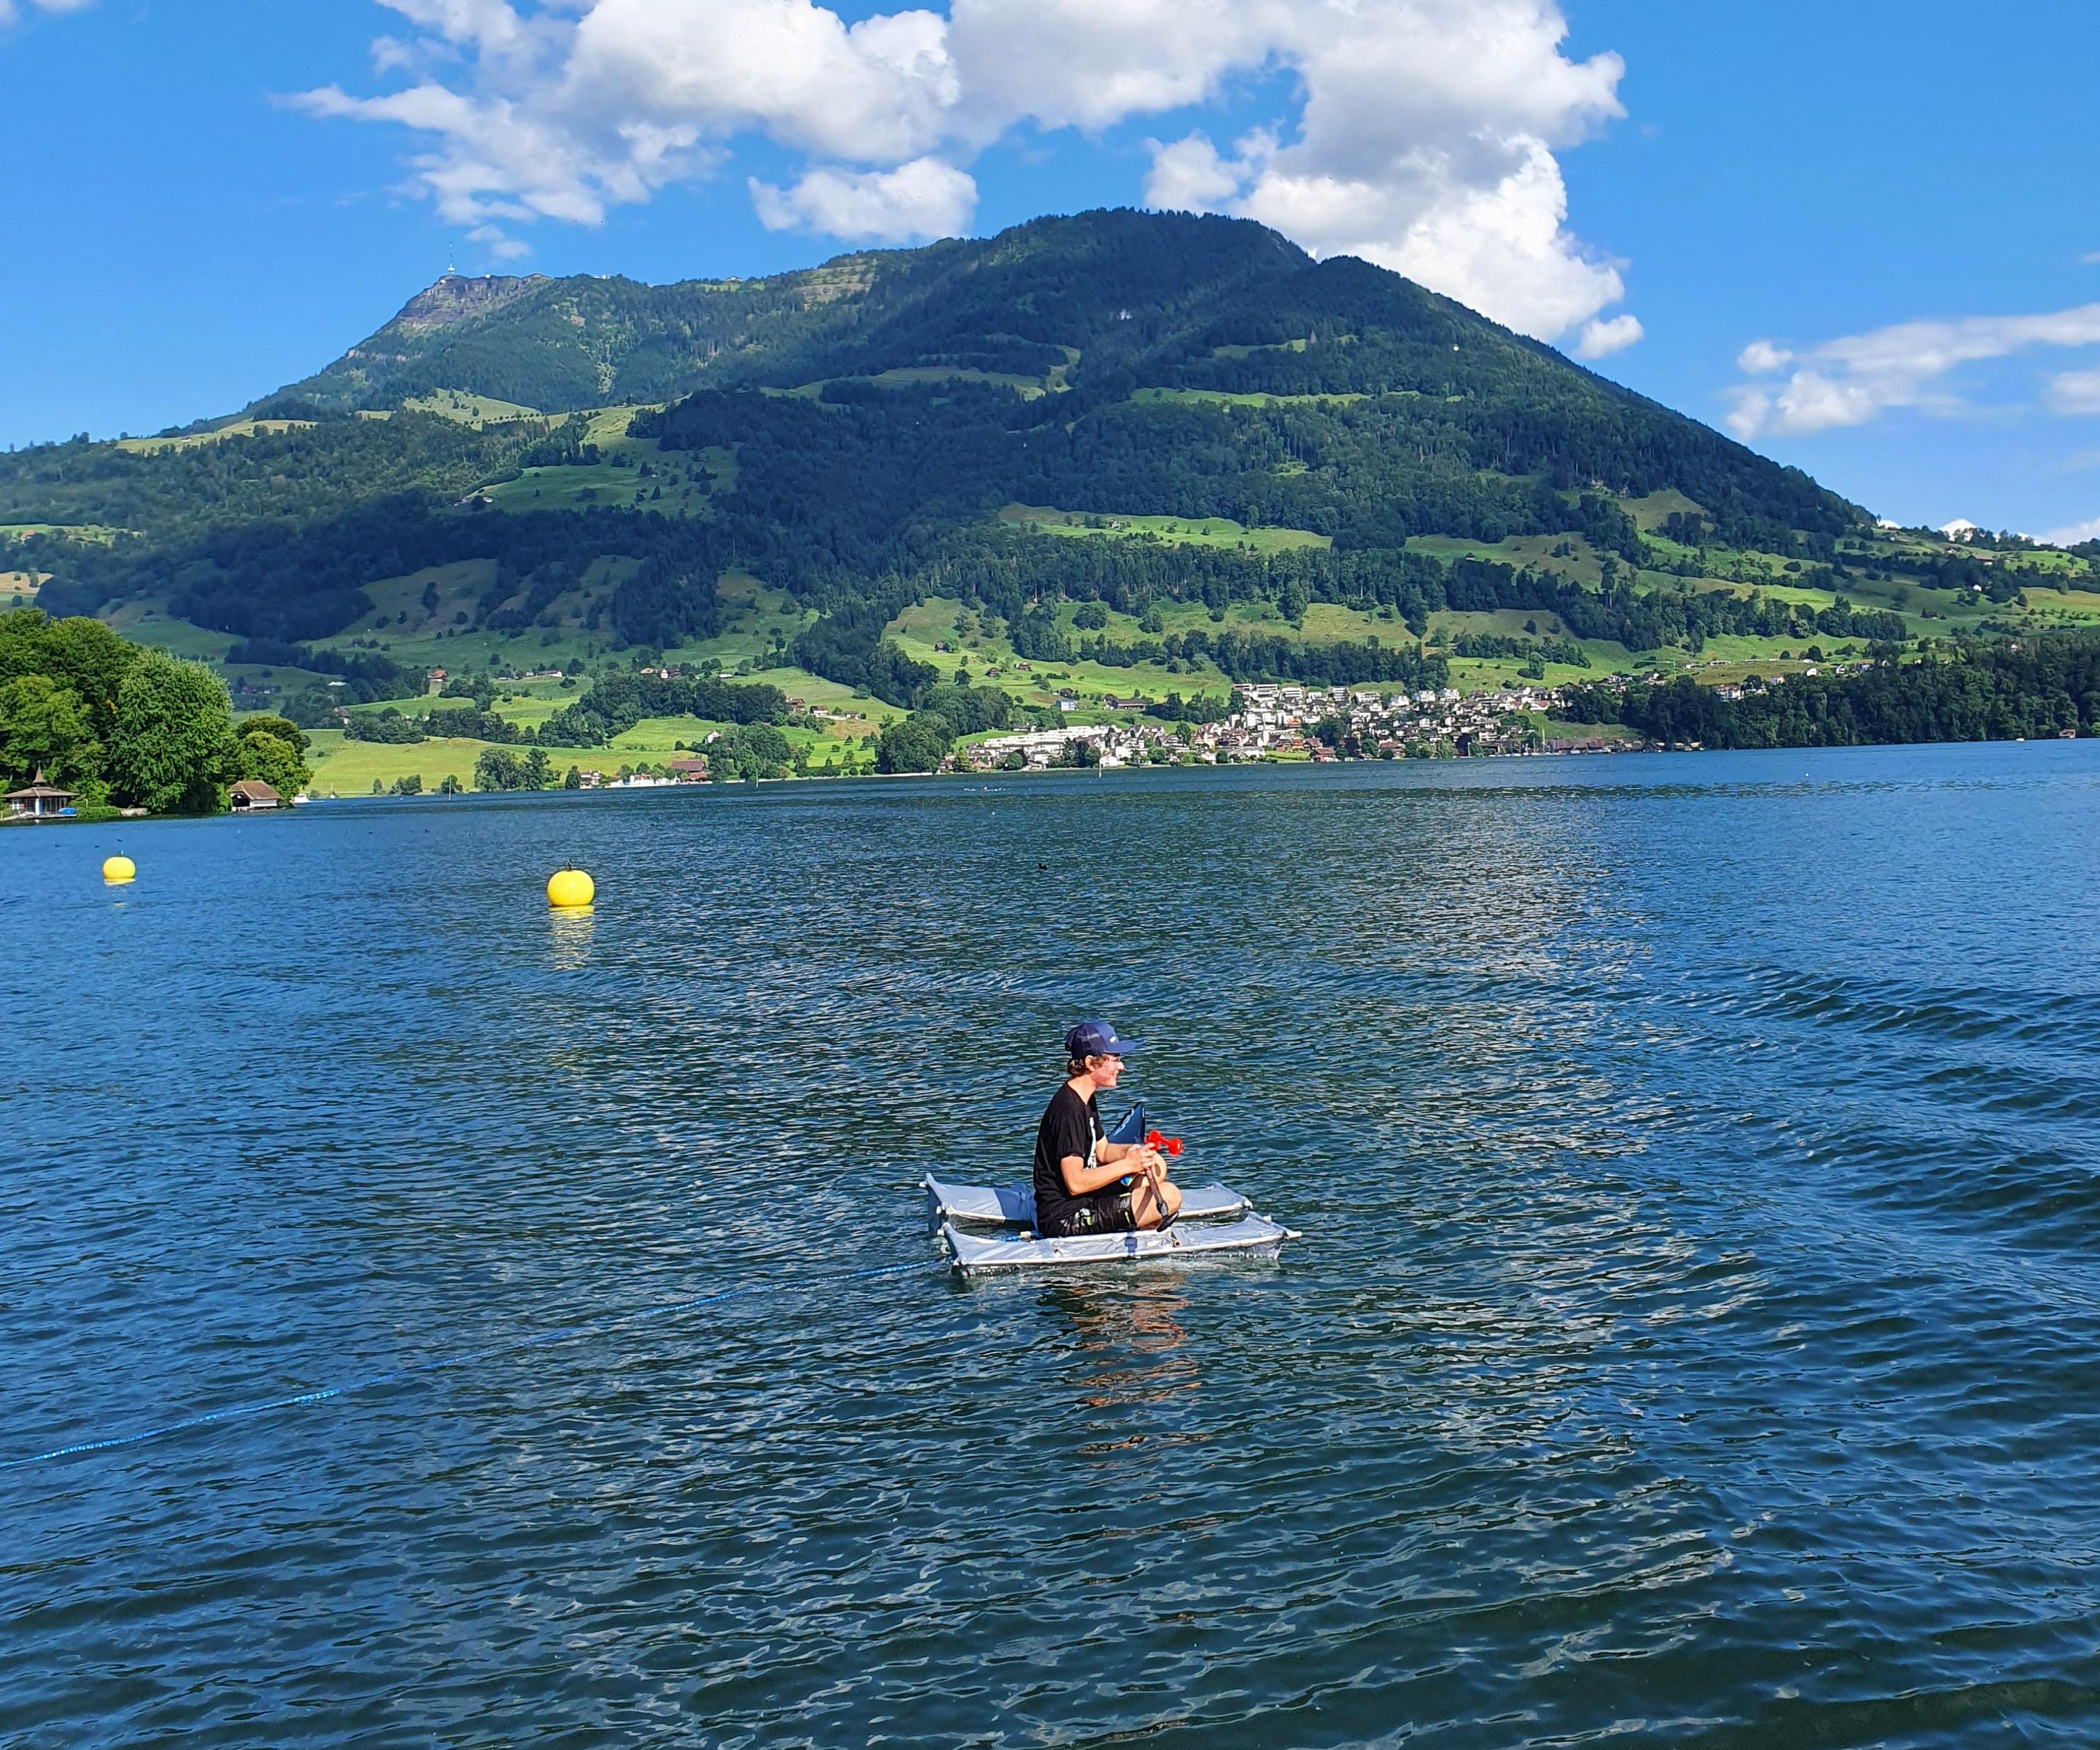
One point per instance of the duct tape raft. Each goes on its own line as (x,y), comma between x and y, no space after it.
(1215,1221)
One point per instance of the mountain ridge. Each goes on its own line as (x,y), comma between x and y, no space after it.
(1139,409)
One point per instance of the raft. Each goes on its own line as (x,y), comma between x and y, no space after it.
(1252,1235)
(1215,1221)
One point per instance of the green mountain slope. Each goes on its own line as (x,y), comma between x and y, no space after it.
(1185,420)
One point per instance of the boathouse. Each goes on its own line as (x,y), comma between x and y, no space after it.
(251,794)
(39,801)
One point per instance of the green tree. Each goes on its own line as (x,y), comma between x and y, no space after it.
(171,746)
(573,778)
(750,750)
(83,656)
(450,786)
(43,725)
(410,785)
(539,770)
(277,761)
(499,768)
(917,743)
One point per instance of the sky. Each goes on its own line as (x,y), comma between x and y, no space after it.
(1863,237)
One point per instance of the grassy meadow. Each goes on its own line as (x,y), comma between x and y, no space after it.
(1191,531)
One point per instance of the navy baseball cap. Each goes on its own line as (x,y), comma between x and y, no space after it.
(1096,1038)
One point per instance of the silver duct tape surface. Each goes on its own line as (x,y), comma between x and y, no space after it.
(980,1255)
(1014,1206)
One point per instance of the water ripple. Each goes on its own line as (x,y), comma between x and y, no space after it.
(1688,1346)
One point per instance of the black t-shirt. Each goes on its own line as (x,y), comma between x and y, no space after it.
(1069,1126)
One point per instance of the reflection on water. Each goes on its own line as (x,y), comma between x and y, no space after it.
(1691,1341)
(571,927)
(1133,1350)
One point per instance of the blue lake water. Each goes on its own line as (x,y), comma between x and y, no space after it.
(1694,1340)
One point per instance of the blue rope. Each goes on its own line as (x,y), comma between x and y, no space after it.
(322,1394)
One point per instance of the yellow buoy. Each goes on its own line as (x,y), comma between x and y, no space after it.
(118,869)
(569,887)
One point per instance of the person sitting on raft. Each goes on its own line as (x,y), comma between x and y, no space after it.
(1078,1170)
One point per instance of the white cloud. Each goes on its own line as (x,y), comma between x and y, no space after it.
(1189,176)
(1601,339)
(2074,536)
(501,245)
(2077,533)
(1425,144)
(1421,134)
(924,198)
(2076,392)
(1851,381)
(12,9)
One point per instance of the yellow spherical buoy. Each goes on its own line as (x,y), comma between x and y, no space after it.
(570,887)
(118,869)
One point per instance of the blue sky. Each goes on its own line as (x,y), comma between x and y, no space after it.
(1863,236)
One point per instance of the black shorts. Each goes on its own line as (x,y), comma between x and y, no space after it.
(1097,1212)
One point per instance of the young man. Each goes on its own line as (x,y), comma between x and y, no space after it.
(1077,1171)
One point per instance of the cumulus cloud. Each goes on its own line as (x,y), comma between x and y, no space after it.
(1601,339)
(1425,144)
(924,198)
(1851,381)
(1420,134)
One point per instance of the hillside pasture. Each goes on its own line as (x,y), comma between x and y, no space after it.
(1583,565)
(1187,532)
(1502,623)
(1651,512)
(756,622)
(191,440)
(147,620)
(579,486)
(1245,398)
(470,409)
(100,534)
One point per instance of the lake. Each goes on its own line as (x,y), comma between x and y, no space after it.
(1693,1341)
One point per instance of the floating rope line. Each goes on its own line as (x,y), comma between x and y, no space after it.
(324,1394)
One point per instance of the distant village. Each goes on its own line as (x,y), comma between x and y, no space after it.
(1269,720)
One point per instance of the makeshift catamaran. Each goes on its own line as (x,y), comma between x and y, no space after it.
(1214,1221)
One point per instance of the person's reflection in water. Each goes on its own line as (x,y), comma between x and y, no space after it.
(1132,1350)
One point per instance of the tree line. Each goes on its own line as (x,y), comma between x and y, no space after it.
(2040,687)
(124,725)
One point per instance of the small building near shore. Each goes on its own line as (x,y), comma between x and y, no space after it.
(688,771)
(39,800)
(252,795)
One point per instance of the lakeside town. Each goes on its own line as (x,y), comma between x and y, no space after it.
(1272,721)
(1267,721)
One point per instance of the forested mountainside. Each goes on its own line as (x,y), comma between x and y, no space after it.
(1135,408)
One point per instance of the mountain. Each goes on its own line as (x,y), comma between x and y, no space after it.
(1185,422)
